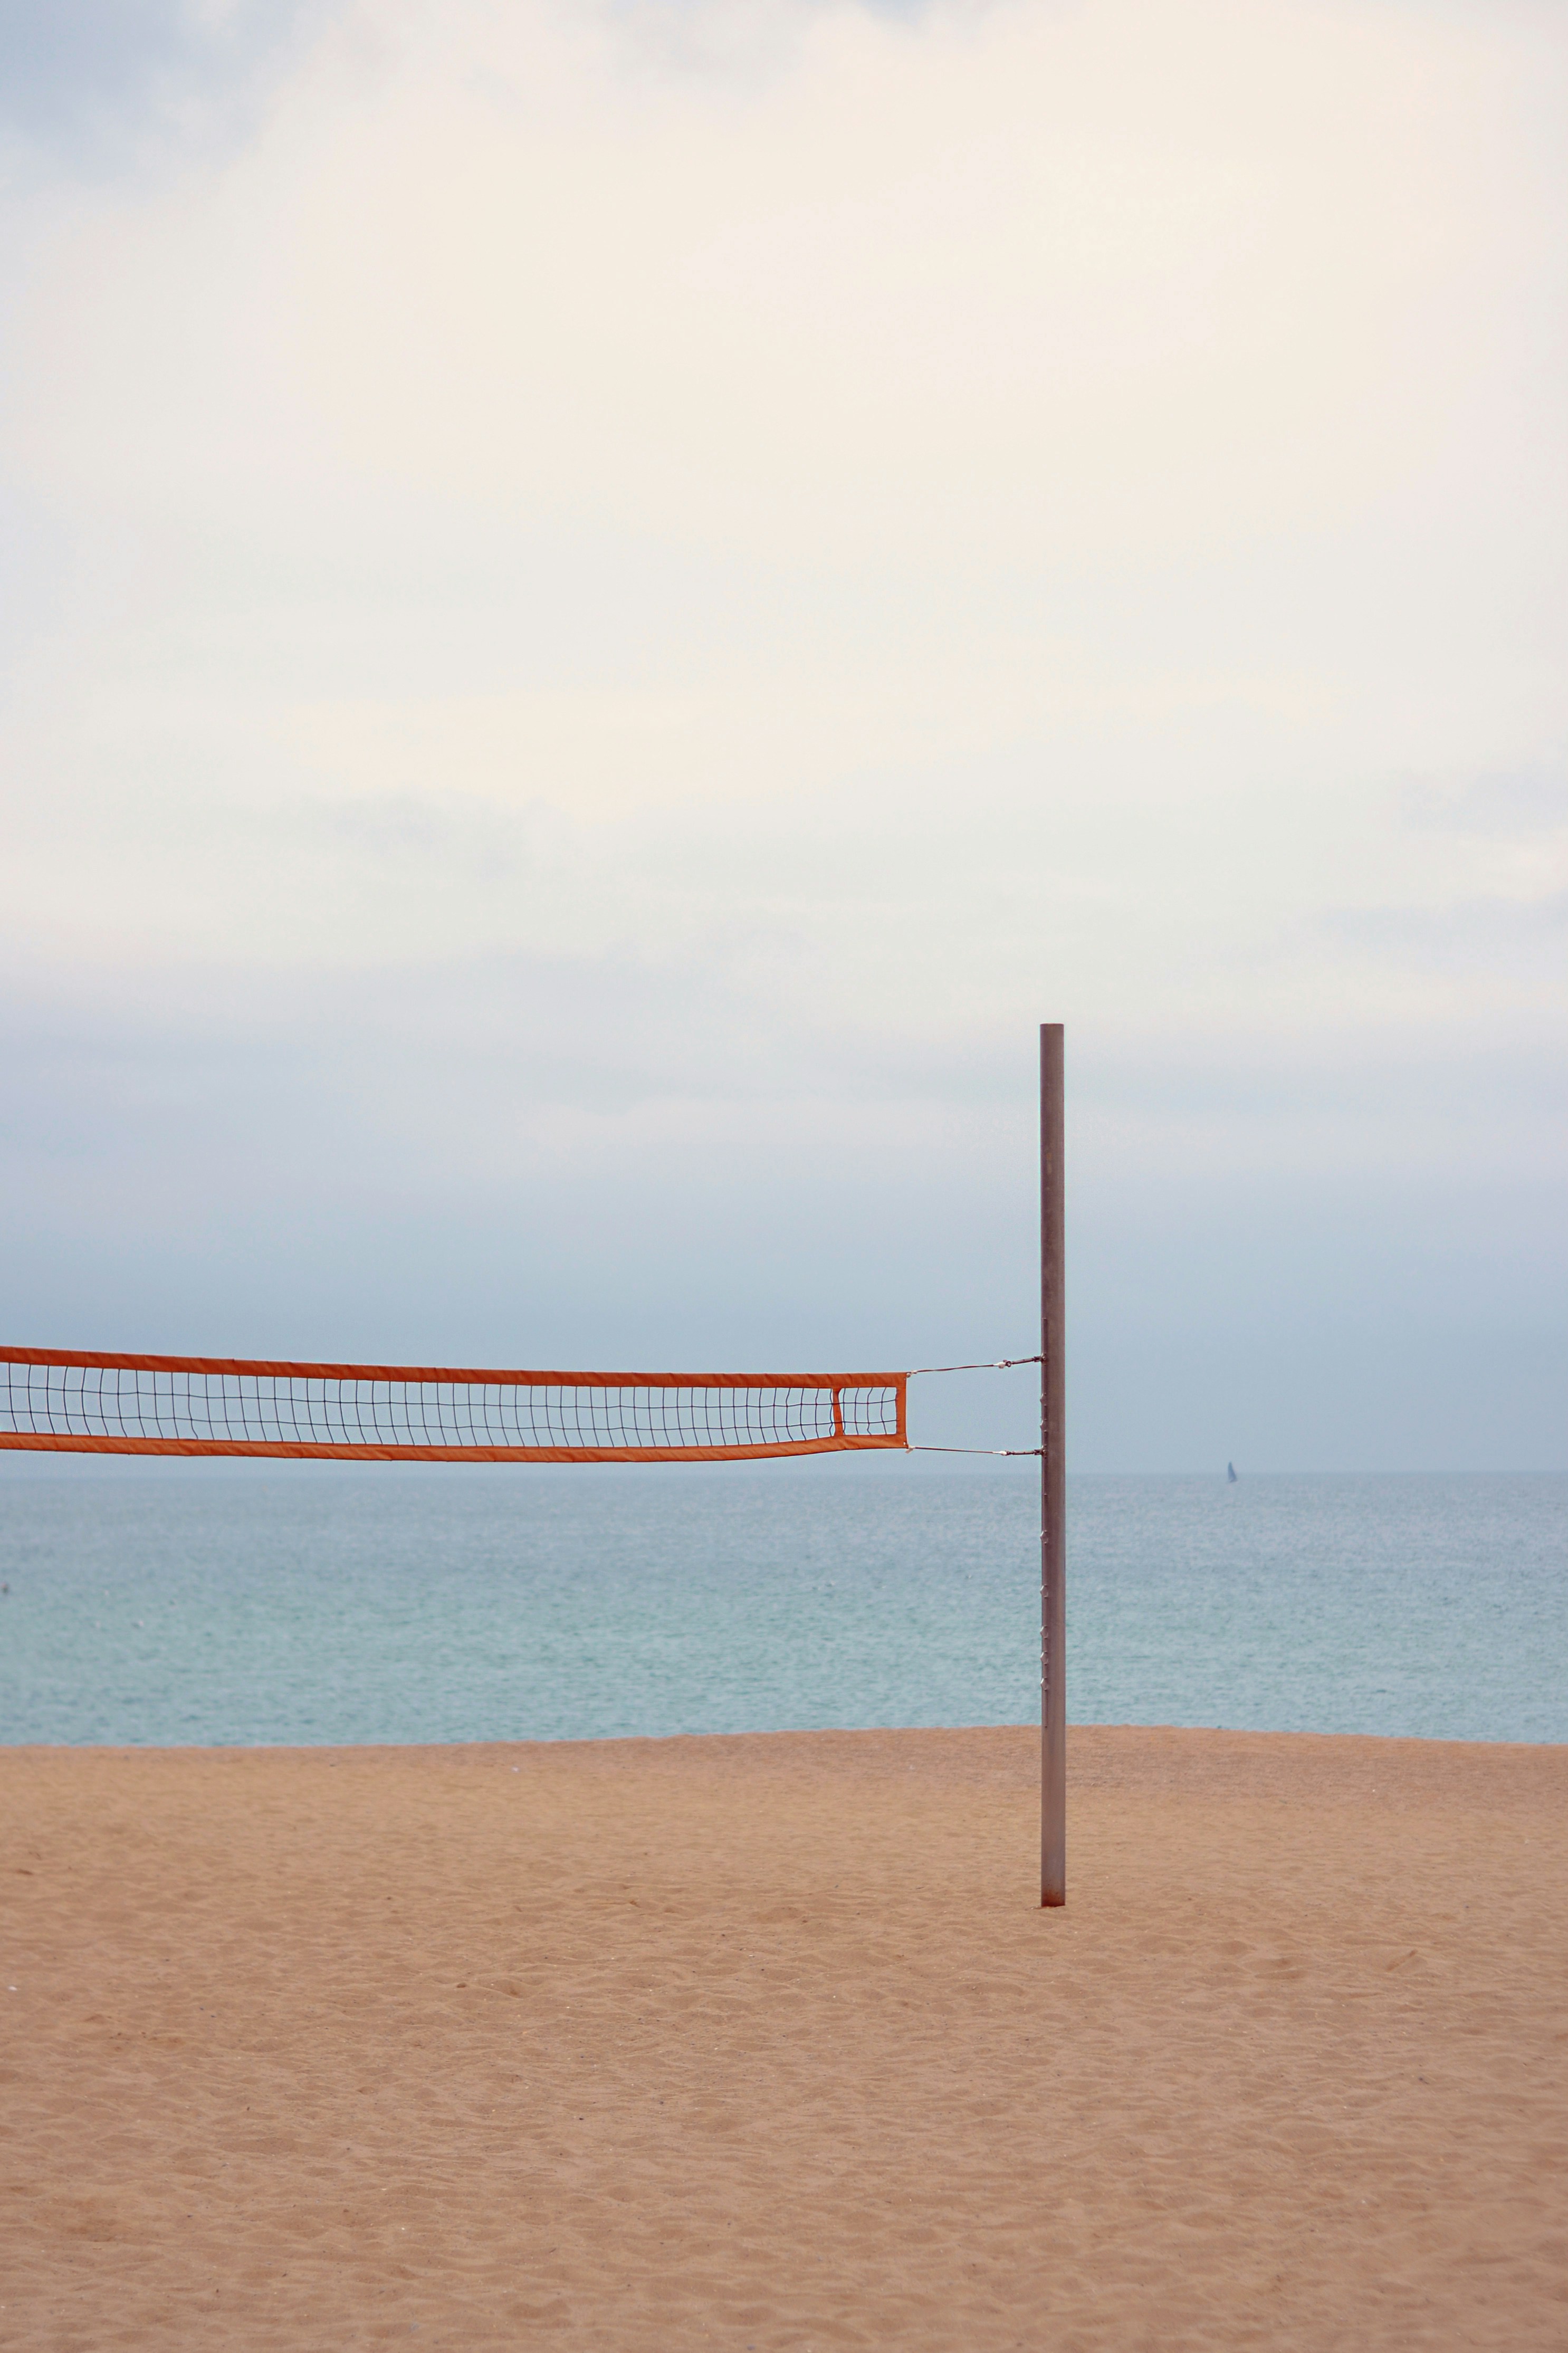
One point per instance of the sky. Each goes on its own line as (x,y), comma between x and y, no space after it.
(604,605)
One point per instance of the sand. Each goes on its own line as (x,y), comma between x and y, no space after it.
(765,2042)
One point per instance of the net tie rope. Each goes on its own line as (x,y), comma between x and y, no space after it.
(991,1365)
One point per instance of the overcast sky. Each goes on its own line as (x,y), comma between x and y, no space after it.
(603,607)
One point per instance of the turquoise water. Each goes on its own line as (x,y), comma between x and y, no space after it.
(413,1606)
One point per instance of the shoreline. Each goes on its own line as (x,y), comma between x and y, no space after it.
(762,2040)
(1418,1740)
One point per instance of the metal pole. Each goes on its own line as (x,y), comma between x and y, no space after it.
(1053,1476)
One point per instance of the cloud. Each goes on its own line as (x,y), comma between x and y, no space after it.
(1522,806)
(99,85)
(1495,935)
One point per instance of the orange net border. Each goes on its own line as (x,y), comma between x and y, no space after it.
(85,1402)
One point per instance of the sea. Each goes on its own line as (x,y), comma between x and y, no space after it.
(304,1603)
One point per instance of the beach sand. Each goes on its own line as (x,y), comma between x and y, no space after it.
(765,2042)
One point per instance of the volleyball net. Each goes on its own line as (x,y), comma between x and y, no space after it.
(83,1403)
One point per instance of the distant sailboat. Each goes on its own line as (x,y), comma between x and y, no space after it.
(1230,1475)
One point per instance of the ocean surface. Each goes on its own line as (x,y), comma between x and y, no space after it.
(314,1604)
